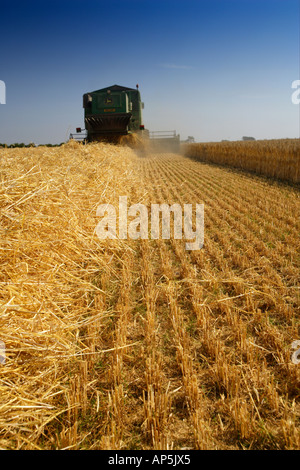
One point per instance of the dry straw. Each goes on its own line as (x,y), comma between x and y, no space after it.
(52,310)
(126,344)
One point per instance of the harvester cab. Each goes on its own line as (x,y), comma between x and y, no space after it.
(112,111)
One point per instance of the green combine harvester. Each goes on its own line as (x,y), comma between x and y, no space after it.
(116,111)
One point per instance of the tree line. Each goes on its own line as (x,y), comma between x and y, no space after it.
(31,144)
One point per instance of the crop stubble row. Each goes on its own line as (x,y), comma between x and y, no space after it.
(259,306)
(231,319)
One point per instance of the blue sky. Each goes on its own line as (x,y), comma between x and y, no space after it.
(212,69)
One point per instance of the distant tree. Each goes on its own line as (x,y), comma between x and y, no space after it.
(16,145)
(248,138)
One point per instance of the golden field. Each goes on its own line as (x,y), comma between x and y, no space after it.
(278,159)
(141,344)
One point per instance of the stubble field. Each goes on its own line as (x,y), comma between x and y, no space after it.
(141,344)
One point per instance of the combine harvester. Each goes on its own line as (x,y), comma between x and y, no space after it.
(114,114)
